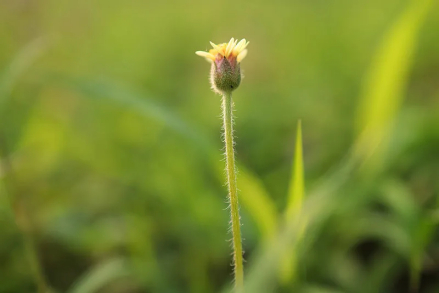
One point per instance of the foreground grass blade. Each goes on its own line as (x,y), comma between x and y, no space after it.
(296,189)
(296,193)
(383,90)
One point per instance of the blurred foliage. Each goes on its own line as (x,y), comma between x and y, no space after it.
(110,148)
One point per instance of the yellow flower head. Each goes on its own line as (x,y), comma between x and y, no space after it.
(230,50)
(225,74)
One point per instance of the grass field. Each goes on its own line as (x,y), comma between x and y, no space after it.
(111,159)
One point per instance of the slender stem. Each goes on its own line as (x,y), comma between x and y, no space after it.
(233,196)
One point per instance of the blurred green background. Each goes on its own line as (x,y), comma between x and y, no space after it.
(110,147)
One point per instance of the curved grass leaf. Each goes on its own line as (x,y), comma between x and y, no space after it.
(386,80)
(253,195)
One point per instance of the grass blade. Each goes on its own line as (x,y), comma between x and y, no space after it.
(295,200)
(385,83)
(297,182)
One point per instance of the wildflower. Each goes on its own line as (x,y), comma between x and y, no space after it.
(225,77)
(225,73)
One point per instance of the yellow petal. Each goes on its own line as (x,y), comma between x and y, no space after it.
(229,47)
(244,45)
(237,48)
(217,48)
(205,55)
(241,55)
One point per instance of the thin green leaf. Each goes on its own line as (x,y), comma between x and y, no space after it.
(297,182)
(295,201)
(386,80)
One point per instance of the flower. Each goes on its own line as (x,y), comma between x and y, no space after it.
(225,58)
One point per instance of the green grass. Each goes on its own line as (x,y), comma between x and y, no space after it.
(110,126)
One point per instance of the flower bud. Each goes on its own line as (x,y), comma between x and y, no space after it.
(225,75)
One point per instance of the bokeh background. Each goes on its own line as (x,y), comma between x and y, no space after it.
(110,162)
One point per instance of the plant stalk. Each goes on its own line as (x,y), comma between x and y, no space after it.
(233,196)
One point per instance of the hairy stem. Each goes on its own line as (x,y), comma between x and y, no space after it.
(233,196)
